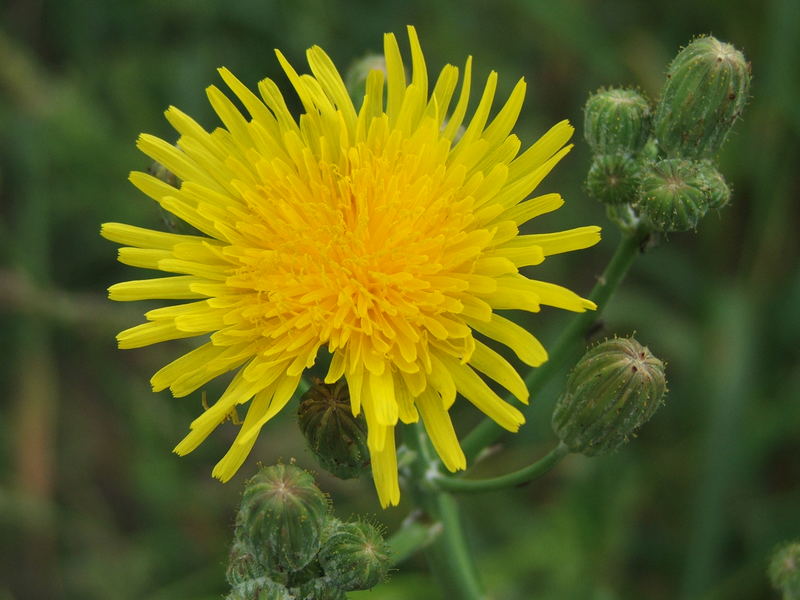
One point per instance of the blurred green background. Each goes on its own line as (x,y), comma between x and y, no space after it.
(94,505)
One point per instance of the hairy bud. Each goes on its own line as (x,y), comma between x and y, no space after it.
(718,192)
(334,435)
(242,564)
(673,195)
(617,121)
(283,514)
(318,589)
(614,389)
(706,91)
(784,571)
(613,179)
(259,589)
(355,556)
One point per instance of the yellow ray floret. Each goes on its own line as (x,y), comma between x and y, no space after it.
(385,231)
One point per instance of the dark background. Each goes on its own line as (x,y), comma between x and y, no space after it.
(94,505)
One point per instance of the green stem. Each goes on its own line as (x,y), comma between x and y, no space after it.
(410,538)
(519,477)
(487,432)
(448,555)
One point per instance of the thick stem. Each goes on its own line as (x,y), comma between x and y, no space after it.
(449,556)
(519,477)
(487,432)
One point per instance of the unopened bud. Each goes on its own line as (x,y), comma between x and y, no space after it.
(784,571)
(718,192)
(355,556)
(259,589)
(706,91)
(318,589)
(283,515)
(673,195)
(617,121)
(242,564)
(334,435)
(614,389)
(613,179)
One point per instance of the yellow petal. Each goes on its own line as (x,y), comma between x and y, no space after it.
(384,470)
(494,366)
(440,430)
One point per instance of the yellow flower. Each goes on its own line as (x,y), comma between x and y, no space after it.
(386,234)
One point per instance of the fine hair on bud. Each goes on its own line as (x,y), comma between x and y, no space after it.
(613,390)
(706,90)
(614,179)
(283,515)
(617,121)
(355,556)
(243,564)
(784,570)
(259,589)
(674,195)
(718,192)
(337,438)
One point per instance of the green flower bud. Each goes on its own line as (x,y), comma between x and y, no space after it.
(319,589)
(283,514)
(613,179)
(613,390)
(706,91)
(242,564)
(259,589)
(673,195)
(784,571)
(334,435)
(718,193)
(616,121)
(355,556)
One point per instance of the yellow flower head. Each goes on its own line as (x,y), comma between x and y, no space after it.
(387,234)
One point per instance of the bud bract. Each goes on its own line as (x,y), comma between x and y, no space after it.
(784,571)
(242,564)
(355,556)
(617,121)
(259,589)
(613,178)
(318,589)
(706,91)
(673,195)
(335,436)
(283,515)
(718,193)
(614,389)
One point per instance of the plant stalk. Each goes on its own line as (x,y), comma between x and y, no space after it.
(520,477)
(448,555)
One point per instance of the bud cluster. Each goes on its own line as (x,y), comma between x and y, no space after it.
(288,545)
(613,390)
(659,164)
